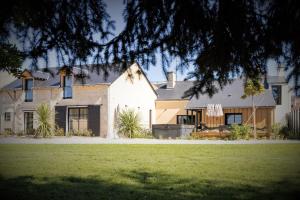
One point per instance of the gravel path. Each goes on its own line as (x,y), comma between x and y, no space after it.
(97,140)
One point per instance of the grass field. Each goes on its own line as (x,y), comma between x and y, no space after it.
(150,171)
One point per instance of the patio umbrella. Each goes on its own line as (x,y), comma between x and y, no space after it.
(210,110)
(214,110)
(219,110)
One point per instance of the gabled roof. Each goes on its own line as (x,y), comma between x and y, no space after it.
(230,97)
(175,93)
(93,75)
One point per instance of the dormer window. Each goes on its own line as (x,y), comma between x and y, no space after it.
(67,86)
(28,90)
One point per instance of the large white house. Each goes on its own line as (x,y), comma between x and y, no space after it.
(81,99)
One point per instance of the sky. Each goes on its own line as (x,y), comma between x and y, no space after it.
(154,73)
(115,9)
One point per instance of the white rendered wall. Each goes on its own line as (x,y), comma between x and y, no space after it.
(131,92)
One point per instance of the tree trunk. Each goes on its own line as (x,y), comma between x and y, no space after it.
(254,118)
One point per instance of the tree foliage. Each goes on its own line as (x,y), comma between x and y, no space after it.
(128,123)
(253,87)
(221,39)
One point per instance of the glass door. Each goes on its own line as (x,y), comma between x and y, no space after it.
(28,122)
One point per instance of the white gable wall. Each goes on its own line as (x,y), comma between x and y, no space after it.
(134,93)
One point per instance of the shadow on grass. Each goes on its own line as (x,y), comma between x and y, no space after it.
(140,185)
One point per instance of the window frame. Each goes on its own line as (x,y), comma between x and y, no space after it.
(191,121)
(7,116)
(28,91)
(278,100)
(78,117)
(234,114)
(67,86)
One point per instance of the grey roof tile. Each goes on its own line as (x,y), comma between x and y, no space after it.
(52,79)
(175,93)
(230,97)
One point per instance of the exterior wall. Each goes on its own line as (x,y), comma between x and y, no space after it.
(89,95)
(284,109)
(82,95)
(167,110)
(131,92)
(264,117)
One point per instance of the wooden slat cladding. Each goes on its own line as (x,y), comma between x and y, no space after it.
(264,117)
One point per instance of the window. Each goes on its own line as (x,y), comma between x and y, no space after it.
(28,122)
(186,119)
(78,119)
(276,90)
(67,87)
(28,90)
(233,118)
(7,116)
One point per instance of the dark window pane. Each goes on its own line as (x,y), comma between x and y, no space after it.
(28,118)
(28,90)
(185,119)
(67,92)
(276,91)
(67,86)
(78,119)
(233,118)
(7,116)
(230,119)
(28,95)
(238,119)
(28,84)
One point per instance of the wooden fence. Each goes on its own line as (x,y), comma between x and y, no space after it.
(294,122)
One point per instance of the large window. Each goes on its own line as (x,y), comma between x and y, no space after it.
(233,118)
(78,119)
(28,122)
(28,90)
(276,90)
(67,87)
(186,119)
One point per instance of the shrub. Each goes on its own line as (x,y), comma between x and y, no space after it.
(44,121)
(245,131)
(59,131)
(84,132)
(284,131)
(143,133)
(208,135)
(235,132)
(7,132)
(128,123)
(239,132)
(275,128)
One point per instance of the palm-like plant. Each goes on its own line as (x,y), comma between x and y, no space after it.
(44,121)
(129,122)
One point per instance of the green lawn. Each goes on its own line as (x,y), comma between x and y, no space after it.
(150,171)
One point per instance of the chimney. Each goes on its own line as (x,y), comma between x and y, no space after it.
(171,79)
